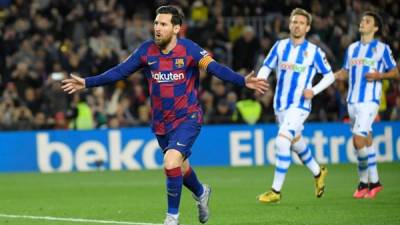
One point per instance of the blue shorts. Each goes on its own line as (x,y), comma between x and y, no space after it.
(181,138)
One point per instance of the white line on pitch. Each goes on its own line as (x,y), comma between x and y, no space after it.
(73,219)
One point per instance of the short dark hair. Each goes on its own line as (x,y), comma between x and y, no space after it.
(177,15)
(377,20)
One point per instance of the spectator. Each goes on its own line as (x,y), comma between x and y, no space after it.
(248,109)
(81,116)
(223,114)
(245,50)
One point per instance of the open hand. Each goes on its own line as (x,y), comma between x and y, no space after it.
(73,84)
(255,83)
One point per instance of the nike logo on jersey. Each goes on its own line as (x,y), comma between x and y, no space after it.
(151,63)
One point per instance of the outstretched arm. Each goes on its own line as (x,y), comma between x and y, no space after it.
(76,83)
(255,83)
(119,72)
(73,84)
(207,63)
(226,74)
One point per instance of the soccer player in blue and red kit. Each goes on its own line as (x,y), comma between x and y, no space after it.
(171,66)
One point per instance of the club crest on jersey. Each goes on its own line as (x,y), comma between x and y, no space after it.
(305,54)
(179,63)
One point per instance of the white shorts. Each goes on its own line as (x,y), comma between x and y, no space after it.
(291,121)
(362,115)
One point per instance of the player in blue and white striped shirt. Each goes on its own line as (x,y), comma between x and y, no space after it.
(367,62)
(296,61)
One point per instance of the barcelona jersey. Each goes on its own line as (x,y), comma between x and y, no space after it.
(173,81)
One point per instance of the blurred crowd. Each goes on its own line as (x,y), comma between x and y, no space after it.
(42,41)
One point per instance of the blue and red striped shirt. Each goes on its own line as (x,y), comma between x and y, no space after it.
(173,80)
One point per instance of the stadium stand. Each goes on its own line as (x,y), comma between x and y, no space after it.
(43,41)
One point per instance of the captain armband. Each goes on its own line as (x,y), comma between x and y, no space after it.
(203,63)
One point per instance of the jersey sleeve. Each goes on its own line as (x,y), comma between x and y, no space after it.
(207,63)
(388,59)
(264,72)
(119,72)
(321,63)
(201,56)
(133,62)
(272,58)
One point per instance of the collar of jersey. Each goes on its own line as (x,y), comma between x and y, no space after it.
(302,44)
(372,41)
(178,40)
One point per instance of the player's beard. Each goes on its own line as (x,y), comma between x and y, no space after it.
(297,36)
(162,42)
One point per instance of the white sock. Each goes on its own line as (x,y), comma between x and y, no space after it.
(372,165)
(174,215)
(283,160)
(304,152)
(362,157)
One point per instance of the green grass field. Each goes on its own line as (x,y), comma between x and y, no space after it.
(137,197)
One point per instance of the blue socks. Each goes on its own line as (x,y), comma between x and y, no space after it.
(192,183)
(174,189)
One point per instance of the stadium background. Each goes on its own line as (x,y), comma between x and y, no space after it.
(41,38)
(43,41)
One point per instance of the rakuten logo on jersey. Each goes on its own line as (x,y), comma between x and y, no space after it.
(167,77)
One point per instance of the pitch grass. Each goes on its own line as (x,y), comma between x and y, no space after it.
(139,196)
